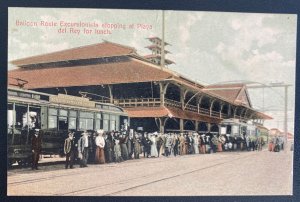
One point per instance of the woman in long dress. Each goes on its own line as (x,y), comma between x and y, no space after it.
(196,143)
(100,143)
(154,152)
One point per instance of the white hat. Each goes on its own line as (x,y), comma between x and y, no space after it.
(100,131)
(37,130)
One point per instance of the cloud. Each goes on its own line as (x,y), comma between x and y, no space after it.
(186,25)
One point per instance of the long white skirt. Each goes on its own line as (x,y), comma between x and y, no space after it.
(154,150)
(196,148)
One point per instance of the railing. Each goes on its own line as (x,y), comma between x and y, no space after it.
(172,103)
(155,102)
(138,102)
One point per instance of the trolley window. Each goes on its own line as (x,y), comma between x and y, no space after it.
(52,118)
(72,119)
(86,121)
(52,111)
(63,120)
(98,121)
(72,113)
(72,123)
(63,112)
(106,122)
(113,122)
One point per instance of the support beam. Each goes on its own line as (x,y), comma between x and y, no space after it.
(162,122)
(111,96)
(246,113)
(229,110)
(199,103)
(196,126)
(163,89)
(241,114)
(208,127)
(234,112)
(221,108)
(181,125)
(211,106)
(183,93)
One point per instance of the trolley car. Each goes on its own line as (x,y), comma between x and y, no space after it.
(234,127)
(55,115)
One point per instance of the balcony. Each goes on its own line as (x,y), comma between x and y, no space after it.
(155,102)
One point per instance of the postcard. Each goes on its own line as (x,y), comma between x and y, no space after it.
(120,102)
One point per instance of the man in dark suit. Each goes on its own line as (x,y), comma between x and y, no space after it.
(69,147)
(36,144)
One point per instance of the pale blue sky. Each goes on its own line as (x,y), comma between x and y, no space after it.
(209,47)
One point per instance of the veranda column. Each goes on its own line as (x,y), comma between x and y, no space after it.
(162,124)
(111,96)
(181,125)
(196,126)
(162,90)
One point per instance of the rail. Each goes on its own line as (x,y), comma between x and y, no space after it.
(138,102)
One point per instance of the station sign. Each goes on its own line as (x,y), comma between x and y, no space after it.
(71,100)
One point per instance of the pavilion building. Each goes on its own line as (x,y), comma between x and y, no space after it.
(155,98)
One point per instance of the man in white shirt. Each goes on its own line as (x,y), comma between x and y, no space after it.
(83,146)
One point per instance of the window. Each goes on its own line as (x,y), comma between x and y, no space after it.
(85,124)
(11,114)
(72,123)
(72,113)
(106,122)
(52,111)
(22,125)
(52,122)
(86,120)
(98,121)
(72,119)
(52,118)
(112,122)
(63,112)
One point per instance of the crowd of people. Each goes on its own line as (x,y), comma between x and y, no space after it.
(106,147)
(276,144)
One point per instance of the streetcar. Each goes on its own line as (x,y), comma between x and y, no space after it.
(234,127)
(239,130)
(54,115)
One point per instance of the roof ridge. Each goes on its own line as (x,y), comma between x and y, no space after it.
(69,49)
(133,50)
(120,45)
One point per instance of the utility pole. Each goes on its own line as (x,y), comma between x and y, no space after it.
(162,62)
(285,115)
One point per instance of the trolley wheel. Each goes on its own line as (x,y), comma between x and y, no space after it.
(10,163)
(22,162)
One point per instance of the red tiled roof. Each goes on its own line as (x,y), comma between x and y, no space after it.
(108,73)
(228,91)
(263,115)
(105,49)
(143,112)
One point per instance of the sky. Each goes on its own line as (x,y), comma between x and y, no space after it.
(208,47)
